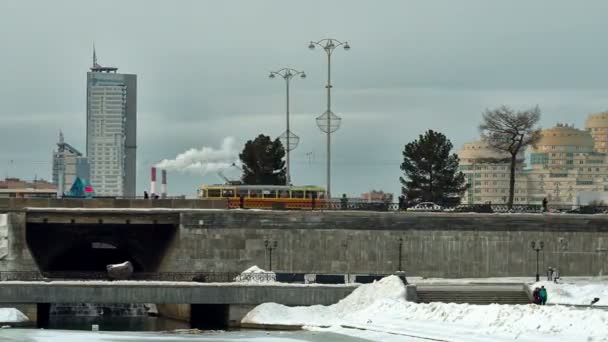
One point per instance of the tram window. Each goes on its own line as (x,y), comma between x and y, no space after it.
(214,192)
(297,194)
(270,194)
(284,194)
(255,193)
(243,192)
(312,194)
(227,192)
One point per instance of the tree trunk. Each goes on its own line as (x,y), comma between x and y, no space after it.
(512,181)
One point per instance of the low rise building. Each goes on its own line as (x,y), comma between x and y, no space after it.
(17,188)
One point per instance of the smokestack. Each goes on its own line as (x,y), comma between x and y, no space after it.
(153,181)
(163,185)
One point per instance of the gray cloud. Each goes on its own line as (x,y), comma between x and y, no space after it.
(202,75)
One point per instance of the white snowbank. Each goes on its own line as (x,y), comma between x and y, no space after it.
(12,315)
(381,306)
(3,220)
(255,274)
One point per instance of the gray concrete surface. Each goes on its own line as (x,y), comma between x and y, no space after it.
(448,245)
(170,293)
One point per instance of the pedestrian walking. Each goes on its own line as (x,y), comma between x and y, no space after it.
(545,202)
(550,273)
(543,295)
(145,194)
(555,275)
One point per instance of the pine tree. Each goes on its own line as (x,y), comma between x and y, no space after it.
(431,172)
(263,162)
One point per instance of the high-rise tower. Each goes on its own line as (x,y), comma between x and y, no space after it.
(111,130)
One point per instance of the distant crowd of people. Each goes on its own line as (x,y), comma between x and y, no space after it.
(147,196)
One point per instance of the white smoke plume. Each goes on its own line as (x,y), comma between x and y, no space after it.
(204,160)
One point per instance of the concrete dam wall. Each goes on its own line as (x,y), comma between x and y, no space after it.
(337,242)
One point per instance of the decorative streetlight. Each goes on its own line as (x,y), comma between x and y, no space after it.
(289,140)
(537,246)
(328,122)
(270,245)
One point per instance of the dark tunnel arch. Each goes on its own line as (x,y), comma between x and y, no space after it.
(85,256)
(71,247)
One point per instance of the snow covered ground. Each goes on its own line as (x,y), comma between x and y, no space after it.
(381,308)
(570,290)
(12,315)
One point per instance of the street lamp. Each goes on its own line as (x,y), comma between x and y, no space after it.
(537,246)
(328,122)
(400,247)
(289,140)
(270,245)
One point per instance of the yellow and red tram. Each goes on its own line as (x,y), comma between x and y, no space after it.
(266,196)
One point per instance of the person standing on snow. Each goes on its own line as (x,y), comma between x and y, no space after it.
(536,295)
(543,295)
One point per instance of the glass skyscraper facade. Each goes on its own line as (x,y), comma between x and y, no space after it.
(112,131)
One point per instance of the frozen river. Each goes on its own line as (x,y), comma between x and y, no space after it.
(37,335)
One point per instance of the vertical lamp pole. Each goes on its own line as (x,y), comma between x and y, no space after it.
(289,140)
(537,247)
(270,245)
(328,122)
(400,247)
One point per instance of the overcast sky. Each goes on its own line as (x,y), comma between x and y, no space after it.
(202,70)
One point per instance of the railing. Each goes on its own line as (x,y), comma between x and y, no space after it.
(462,208)
(206,277)
(203,277)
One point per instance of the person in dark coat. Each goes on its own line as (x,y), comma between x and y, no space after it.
(545,205)
(145,194)
(536,295)
(543,295)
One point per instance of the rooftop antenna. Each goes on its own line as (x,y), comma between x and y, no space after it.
(94,55)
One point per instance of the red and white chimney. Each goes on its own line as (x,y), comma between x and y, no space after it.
(153,181)
(163,185)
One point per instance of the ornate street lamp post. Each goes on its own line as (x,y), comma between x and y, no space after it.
(270,245)
(537,246)
(328,122)
(289,140)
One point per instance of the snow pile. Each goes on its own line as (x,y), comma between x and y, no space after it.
(12,315)
(381,306)
(574,292)
(255,274)
(389,290)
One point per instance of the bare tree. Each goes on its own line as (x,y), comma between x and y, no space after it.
(509,131)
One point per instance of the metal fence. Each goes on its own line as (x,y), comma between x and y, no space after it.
(207,277)
(465,208)
(203,277)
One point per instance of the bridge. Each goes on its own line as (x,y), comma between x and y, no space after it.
(204,305)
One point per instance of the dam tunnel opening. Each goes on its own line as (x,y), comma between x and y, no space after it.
(209,316)
(85,248)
